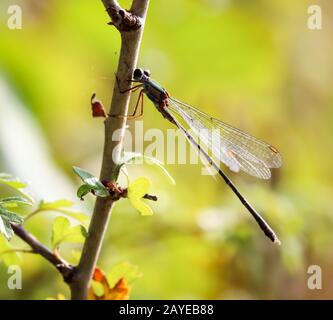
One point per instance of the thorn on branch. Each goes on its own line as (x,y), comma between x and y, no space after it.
(150,197)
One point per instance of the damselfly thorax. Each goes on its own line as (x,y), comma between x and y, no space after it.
(158,95)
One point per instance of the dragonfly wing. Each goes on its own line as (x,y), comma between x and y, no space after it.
(237,149)
(258,170)
(210,140)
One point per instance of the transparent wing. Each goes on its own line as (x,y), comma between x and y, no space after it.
(235,148)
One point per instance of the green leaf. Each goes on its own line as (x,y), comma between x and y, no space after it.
(136,190)
(123,270)
(75,234)
(60,227)
(7,255)
(10,216)
(15,184)
(62,206)
(63,232)
(142,207)
(88,178)
(9,205)
(84,231)
(62,203)
(99,189)
(83,191)
(5,228)
(12,202)
(79,216)
(129,157)
(76,255)
(98,288)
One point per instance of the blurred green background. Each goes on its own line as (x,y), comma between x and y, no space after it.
(253,64)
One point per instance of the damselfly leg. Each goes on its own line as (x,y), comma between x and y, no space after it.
(140,98)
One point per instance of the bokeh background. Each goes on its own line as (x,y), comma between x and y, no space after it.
(253,64)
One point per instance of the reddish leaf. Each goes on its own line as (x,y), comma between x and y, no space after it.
(98,275)
(97,107)
(120,291)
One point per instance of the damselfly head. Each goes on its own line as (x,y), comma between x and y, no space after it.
(147,73)
(141,75)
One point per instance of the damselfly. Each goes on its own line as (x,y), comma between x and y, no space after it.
(236,149)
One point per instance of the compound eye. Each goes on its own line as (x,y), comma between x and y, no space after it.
(137,74)
(147,73)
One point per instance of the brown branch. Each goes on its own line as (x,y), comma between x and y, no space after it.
(150,197)
(130,25)
(122,19)
(37,247)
